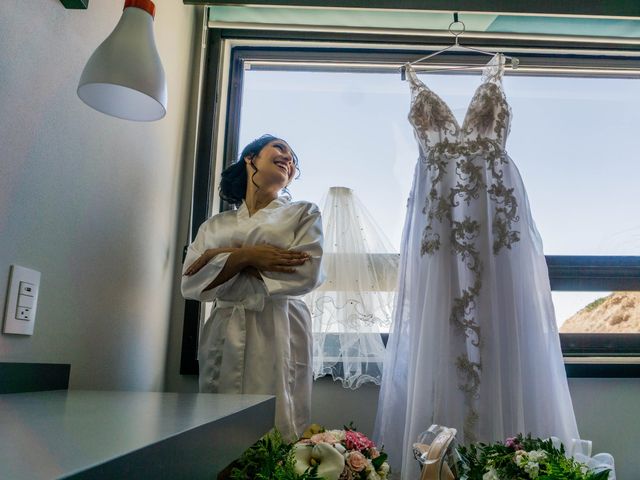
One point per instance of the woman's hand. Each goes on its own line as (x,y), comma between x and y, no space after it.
(203,259)
(253,272)
(273,259)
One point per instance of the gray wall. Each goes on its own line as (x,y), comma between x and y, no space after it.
(89,200)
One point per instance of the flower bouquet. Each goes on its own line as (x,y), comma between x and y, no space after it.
(339,455)
(319,455)
(523,458)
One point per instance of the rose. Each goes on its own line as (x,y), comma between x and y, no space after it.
(356,461)
(512,442)
(357,441)
(374,453)
(325,437)
(521,457)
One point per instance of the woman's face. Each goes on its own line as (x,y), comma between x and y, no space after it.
(275,165)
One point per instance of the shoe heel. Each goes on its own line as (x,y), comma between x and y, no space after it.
(431,451)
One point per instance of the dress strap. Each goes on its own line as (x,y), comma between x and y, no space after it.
(492,72)
(412,78)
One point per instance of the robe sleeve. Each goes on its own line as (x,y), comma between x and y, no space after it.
(307,238)
(193,286)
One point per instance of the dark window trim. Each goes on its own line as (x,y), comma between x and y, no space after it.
(567,273)
(585,7)
(201,190)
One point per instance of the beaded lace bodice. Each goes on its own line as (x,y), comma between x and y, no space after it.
(488,116)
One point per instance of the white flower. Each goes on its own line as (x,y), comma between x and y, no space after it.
(532,468)
(384,471)
(521,457)
(330,462)
(372,475)
(537,455)
(369,466)
(491,475)
(340,448)
(339,434)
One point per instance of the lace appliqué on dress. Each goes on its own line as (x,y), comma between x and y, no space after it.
(477,152)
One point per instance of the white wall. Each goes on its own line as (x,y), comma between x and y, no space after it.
(89,200)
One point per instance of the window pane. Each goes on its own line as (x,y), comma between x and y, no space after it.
(574,140)
(348,129)
(597,312)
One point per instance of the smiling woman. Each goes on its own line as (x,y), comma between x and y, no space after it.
(253,263)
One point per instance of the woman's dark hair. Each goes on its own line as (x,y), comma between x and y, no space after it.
(233,184)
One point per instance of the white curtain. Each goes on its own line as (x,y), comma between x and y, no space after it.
(355,303)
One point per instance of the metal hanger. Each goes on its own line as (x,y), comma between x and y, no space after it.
(457,31)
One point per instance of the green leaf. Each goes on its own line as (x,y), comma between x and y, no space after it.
(270,458)
(378,461)
(351,426)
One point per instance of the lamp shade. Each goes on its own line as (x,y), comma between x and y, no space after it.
(124,77)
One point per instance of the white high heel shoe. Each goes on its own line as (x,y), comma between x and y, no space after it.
(431,451)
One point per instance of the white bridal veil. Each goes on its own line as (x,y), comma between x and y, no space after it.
(355,303)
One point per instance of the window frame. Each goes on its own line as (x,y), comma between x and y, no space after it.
(586,355)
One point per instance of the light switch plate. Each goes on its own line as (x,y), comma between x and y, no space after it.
(16,319)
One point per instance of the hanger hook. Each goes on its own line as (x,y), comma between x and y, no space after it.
(457,30)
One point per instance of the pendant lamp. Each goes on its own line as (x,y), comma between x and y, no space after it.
(124,77)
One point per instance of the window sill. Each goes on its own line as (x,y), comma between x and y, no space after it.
(602,367)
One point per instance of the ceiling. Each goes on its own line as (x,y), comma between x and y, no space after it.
(421,21)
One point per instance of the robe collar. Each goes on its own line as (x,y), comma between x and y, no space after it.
(243,211)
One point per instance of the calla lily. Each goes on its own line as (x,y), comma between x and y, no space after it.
(330,462)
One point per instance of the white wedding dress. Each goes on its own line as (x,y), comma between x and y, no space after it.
(474,344)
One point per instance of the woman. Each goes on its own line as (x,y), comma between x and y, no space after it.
(253,263)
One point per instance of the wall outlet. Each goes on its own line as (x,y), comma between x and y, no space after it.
(22,301)
(23,313)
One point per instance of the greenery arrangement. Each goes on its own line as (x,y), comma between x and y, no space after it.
(270,458)
(521,458)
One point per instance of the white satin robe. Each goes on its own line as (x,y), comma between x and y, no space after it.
(257,339)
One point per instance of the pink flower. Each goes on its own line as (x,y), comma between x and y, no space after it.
(512,442)
(357,461)
(374,453)
(357,441)
(325,437)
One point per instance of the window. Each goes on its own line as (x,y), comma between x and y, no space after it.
(572,138)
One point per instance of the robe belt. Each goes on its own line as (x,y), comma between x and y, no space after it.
(235,342)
